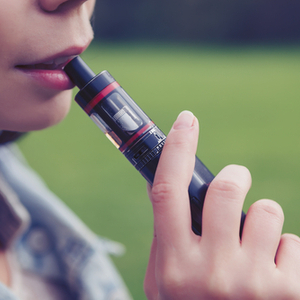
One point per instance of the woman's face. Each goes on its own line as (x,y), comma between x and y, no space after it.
(37,38)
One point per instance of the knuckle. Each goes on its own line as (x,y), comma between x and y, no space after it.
(233,181)
(221,288)
(291,290)
(223,283)
(172,283)
(254,288)
(218,289)
(180,142)
(230,188)
(291,239)
(162,191)
(268,209)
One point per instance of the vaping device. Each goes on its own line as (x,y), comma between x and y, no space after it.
(131,130)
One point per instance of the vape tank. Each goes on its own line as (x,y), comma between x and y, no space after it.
(131,130)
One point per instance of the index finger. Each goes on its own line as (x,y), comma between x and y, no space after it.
(169,194)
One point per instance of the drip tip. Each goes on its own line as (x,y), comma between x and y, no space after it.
(79,72)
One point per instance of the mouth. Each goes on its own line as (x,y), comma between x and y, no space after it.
(48,73)
(50,65)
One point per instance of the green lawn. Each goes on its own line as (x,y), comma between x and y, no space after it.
(247,102)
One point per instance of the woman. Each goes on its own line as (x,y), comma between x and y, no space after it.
(48,253)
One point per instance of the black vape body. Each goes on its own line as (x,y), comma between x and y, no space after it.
(131,130)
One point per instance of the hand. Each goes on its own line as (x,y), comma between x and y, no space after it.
(218,265)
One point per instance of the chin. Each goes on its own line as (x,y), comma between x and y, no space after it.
(48,118)
(37,117)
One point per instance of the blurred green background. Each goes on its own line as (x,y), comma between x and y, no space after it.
(246,99)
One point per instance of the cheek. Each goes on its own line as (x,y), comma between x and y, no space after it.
(21,114)
(12,28)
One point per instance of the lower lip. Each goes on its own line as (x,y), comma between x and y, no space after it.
(51,79)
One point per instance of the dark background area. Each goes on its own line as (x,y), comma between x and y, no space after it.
(219,21)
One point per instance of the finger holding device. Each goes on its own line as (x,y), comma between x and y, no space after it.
(131,130)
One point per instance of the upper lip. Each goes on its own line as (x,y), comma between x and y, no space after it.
(52,62)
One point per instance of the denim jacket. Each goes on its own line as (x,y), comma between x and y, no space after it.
(56,246)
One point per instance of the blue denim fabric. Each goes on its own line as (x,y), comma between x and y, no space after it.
(5,293)
(57,245)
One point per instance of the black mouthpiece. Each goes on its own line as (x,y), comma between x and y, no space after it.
(79,72)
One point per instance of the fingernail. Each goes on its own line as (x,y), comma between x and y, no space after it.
(184,120)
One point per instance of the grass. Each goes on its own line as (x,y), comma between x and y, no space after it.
(247,102)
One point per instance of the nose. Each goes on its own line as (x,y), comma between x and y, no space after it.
(53,5)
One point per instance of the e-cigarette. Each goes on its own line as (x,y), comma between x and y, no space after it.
(131,130)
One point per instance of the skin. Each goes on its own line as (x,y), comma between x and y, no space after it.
(218,265)
(34,31)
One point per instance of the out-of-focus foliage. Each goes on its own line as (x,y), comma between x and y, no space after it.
(198,20)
